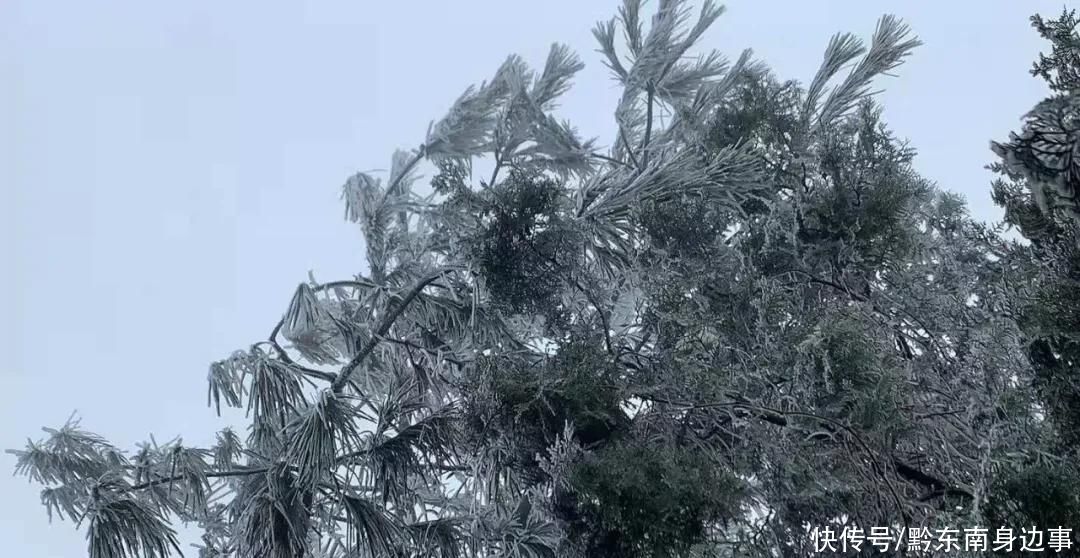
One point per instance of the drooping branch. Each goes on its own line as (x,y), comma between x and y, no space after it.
(358,283)
(284,356)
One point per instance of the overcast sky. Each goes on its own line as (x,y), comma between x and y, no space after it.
(171,170)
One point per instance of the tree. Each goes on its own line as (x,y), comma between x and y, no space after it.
(1039,180)
(748,316)
(1044,153)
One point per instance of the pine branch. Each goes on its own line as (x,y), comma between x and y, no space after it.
(284,355)
(629,148)
(650,101)
(222,474)
(391,189)
(353,283)
(611,160)
(437,354)
(780,418)
(384,326)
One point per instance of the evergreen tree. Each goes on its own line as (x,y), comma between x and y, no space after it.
(748,317)
(1039,180)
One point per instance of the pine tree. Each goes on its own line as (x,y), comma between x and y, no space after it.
(748,316)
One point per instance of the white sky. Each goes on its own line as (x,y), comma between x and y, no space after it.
(171,171)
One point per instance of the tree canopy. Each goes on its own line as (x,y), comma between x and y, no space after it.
(748,316)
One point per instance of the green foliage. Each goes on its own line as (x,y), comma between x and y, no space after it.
(650,501)
(681,228)
(869,195)
(525,243)
(860,371)
(527,404)
(1035,494)
(1061,67)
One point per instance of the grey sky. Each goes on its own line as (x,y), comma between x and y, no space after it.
(171,170)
